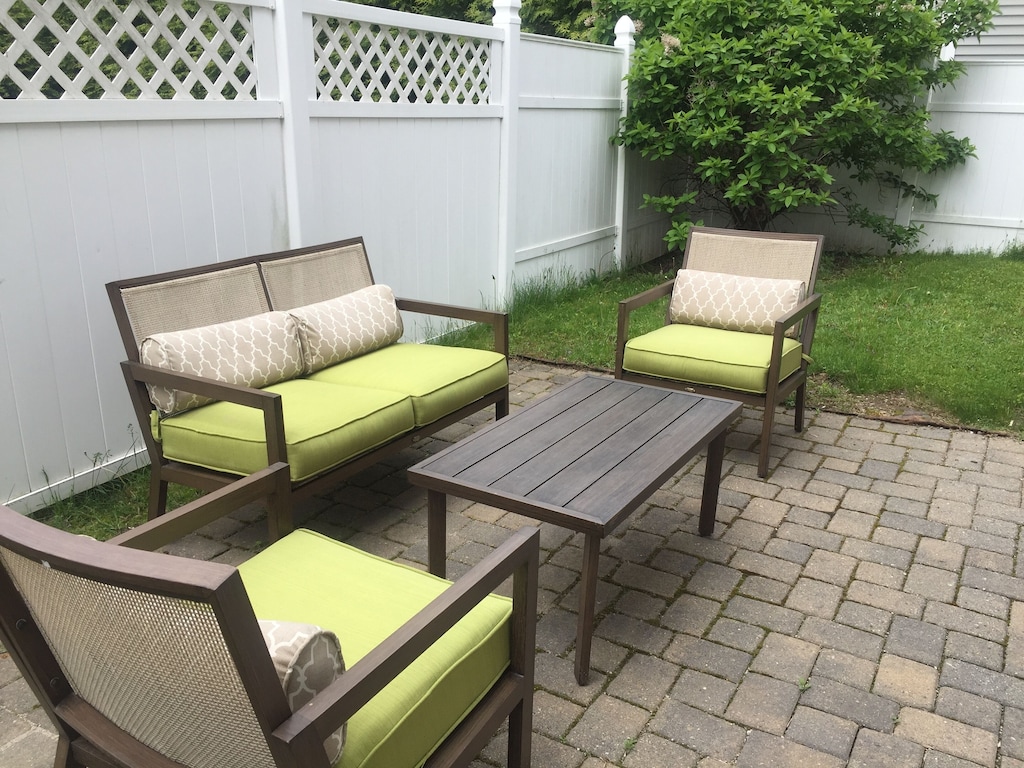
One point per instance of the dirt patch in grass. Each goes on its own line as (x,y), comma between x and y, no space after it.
(827,395)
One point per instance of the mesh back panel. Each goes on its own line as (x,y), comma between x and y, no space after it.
(312,277)
(156,666)
(191,302)
(753,256)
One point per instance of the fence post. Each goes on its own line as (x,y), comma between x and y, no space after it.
(294,87)
(506,18)
(624,31)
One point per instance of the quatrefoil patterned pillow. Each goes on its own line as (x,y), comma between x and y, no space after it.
(307,659)
(347,326)
(732,302)
(252,352)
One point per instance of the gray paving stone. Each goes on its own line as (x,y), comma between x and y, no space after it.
(916,640)
(644,680)
(766,751)
(785,658)
(736,634)
(822,732)
(830,634)
(711,658)
(817,598)
(850,703)
(973,710)
(699,731)
(764,703)
(607,727)
(705,692)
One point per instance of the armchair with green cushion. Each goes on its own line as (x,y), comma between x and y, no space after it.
(740,322)
(308,655)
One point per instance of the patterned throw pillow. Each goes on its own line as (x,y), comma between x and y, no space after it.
(307,659)
(732,302)
(253,352)
(347,326)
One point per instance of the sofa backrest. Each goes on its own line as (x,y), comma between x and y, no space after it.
(234,290)
(308,276)
(186,299)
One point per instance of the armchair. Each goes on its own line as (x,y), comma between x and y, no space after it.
(740,322)
(143,659)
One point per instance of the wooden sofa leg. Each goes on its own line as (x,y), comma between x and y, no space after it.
(798,417)
(157,494)
(766,440)
(520,727)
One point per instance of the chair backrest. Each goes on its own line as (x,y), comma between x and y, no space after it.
(773,255)
(297,278)
(164,649)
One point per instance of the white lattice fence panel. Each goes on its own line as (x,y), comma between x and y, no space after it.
(361,61)
(125,49)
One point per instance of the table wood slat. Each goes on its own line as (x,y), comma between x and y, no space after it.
(604,457)
(615,494)
(501,433)
(592,423)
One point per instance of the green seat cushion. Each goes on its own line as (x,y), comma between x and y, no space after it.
(324,425)
(440,380)
(368,598)
(709,356)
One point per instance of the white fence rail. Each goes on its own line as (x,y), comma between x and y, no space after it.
(138,137)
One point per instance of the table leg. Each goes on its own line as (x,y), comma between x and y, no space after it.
(588,599)
(437,508)
(712,479)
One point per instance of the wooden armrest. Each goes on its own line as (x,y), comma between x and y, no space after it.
(518,556)
(808,308)
(200,385)
(497,320)
(646,297)
(268,402)
(626,307)
(190,517)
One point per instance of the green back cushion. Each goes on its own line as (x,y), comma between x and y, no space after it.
(709,356)
(324,424)
(440,380)
(310,578)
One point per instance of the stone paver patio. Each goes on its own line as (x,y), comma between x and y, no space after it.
(862,606)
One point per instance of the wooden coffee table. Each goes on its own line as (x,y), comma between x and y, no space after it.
(583,458)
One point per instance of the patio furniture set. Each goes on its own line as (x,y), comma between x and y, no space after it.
(287,371)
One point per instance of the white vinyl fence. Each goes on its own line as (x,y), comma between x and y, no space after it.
(138,137)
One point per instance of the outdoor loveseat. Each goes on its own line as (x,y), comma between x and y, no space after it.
(310,654)
(293,357)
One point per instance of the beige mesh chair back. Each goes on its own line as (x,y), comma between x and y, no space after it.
(317,275)
(192,301)
(154,662)
(701,352)
(754,254)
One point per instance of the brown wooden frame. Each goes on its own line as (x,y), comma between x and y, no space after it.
(87,738)
(777,391)
(163,471)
